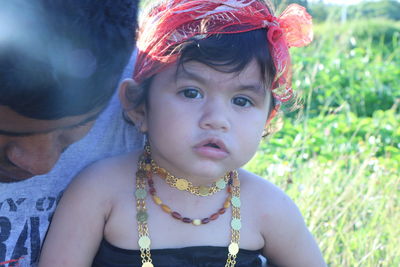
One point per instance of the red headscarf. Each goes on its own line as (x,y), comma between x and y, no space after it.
(173,22)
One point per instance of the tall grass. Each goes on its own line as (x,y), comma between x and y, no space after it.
(348,194)
(340,161)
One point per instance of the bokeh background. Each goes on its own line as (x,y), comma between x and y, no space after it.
(338,156)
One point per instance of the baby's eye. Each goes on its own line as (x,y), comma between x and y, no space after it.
(191,93)
(242,101)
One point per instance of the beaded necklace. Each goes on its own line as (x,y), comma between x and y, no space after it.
(143,174)
(176,215)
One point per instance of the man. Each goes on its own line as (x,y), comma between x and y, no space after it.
(60,62)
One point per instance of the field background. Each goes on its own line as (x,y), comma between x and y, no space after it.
(338,156)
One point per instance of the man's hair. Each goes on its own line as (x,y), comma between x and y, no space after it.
(229,53)
(63,58)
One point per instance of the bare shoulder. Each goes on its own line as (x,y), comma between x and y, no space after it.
(265,196)
(104,178)
(89,200)
(110,171)
(287,241)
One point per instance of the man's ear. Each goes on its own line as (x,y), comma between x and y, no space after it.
(129,95)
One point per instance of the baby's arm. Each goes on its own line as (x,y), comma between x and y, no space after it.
(288,242)
(76,229)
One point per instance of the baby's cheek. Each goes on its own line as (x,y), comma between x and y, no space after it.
(249,145)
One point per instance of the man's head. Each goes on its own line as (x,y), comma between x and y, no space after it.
(60,62)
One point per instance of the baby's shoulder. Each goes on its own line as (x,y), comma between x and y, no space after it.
(279,222)
(107,176)
(263,194)
(273,208)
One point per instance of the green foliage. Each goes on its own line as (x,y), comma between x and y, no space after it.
(319,11)
(384,9)
(282,4)
(377,30)
(340,162)
(328,137)
(353,66)
(343,173)
(388,9)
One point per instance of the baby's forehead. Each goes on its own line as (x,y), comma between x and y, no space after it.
(250,77)
(250,73)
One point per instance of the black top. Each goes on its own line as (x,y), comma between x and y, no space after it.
(202,256)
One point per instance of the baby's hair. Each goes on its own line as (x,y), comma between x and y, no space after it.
(228,53)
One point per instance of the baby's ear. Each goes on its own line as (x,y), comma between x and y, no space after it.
(129,95)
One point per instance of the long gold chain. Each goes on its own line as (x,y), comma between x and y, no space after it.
(143,173)
(236,223)
(142,217)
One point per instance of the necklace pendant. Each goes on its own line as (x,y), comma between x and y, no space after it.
(233,248)
(182,184)
(204,190)
(221,184)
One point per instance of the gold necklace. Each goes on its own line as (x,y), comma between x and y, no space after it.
(144,241)
(185,185)
(181,183)
(176,215)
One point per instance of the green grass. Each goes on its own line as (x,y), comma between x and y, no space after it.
(351,63)
(340,162)
(347,187)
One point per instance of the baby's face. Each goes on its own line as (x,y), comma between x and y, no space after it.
(202,123)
